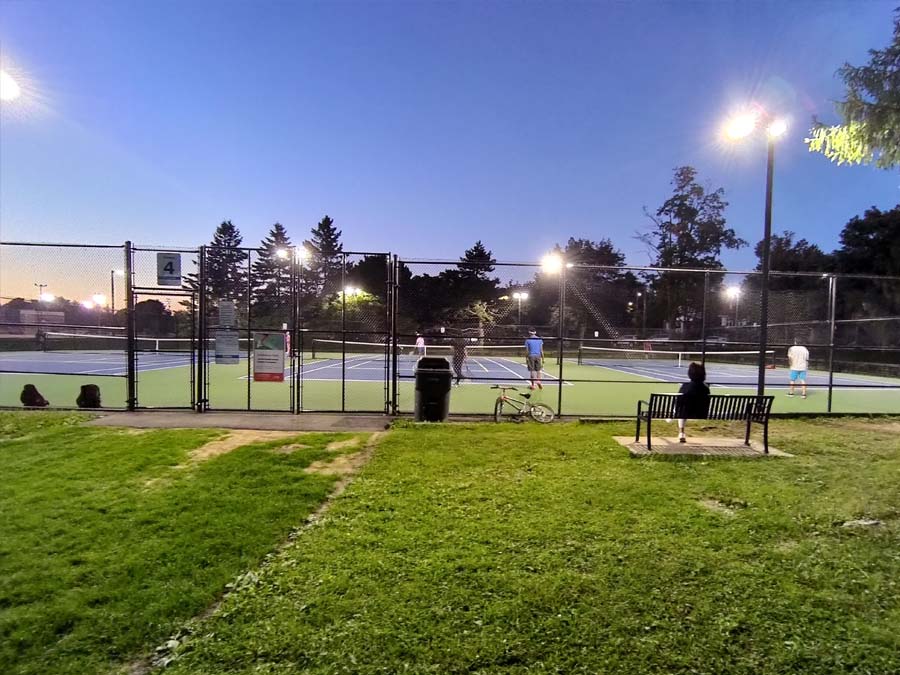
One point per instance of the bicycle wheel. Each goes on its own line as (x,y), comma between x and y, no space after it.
(498,410)
(542,413)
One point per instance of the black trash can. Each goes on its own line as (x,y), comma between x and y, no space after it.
(433,378)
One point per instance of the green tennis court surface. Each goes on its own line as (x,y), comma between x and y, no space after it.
(358,385)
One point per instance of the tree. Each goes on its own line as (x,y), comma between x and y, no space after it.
(271,276)
(597,289)
(151,317)
(870,112)
(477,262)
(787,255)
(471,282)
(871,244)
(324,266)
(226,264)
(226,267)
(369,274)
(689,230)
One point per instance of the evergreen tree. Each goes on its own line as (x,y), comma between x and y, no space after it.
(271,276)
(326,258)
(226,267)
(226,264)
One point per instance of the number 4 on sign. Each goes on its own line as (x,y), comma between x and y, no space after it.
(168,269)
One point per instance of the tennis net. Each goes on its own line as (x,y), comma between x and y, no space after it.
(79,342)
(335,349)
(625,358)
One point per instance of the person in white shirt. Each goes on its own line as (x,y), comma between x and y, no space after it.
(420,345)
(798,360)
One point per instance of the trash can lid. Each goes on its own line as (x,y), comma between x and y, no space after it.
(432,363)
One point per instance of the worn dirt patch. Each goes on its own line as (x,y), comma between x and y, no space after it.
(717,506)
(886,427)
(163,654)
(288,449)
(786,546)
(233,440)
(339,466)
(341,445)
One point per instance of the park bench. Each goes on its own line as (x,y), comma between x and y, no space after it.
(726,407)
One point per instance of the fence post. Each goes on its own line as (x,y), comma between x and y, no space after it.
(703,319)
(388,296)
(832,302)
(343,333)
(395,306)
(561,330)
(201,330)
(130,367)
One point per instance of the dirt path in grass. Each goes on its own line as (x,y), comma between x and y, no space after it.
(345,466)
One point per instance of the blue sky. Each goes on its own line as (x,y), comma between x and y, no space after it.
(418,126)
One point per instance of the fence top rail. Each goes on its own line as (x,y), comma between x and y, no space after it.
(164,249)
(60,245)
(646,268)
(426,261)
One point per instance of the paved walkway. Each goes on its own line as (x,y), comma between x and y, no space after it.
(239,420)
(698,446)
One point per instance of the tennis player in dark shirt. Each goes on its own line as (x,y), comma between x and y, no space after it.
(694,400)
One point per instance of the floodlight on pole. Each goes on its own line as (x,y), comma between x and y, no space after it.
(9,89)
(519,296)
(775,127)
(552,263)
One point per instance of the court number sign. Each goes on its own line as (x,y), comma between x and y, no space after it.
(168,269)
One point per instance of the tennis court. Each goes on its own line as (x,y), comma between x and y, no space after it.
(335,374)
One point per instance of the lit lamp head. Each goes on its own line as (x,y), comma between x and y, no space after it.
(119,273)
(9,89)
(47,297)
(742,125)
(552,263)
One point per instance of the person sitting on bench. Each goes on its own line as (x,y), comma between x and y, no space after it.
(89,396)
(31,397)
(694,401)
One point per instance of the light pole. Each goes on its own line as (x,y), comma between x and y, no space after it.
(520,296)
(734,292)
(741,127)
(112,288)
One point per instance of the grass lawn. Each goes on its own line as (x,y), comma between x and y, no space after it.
(171,387)
(545,549)
(110,539)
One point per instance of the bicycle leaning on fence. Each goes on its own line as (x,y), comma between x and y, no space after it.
(509,407)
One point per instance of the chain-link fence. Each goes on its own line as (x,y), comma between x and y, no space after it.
(285,329)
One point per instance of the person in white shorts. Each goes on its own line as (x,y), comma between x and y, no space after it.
(420,345)
(798,360)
